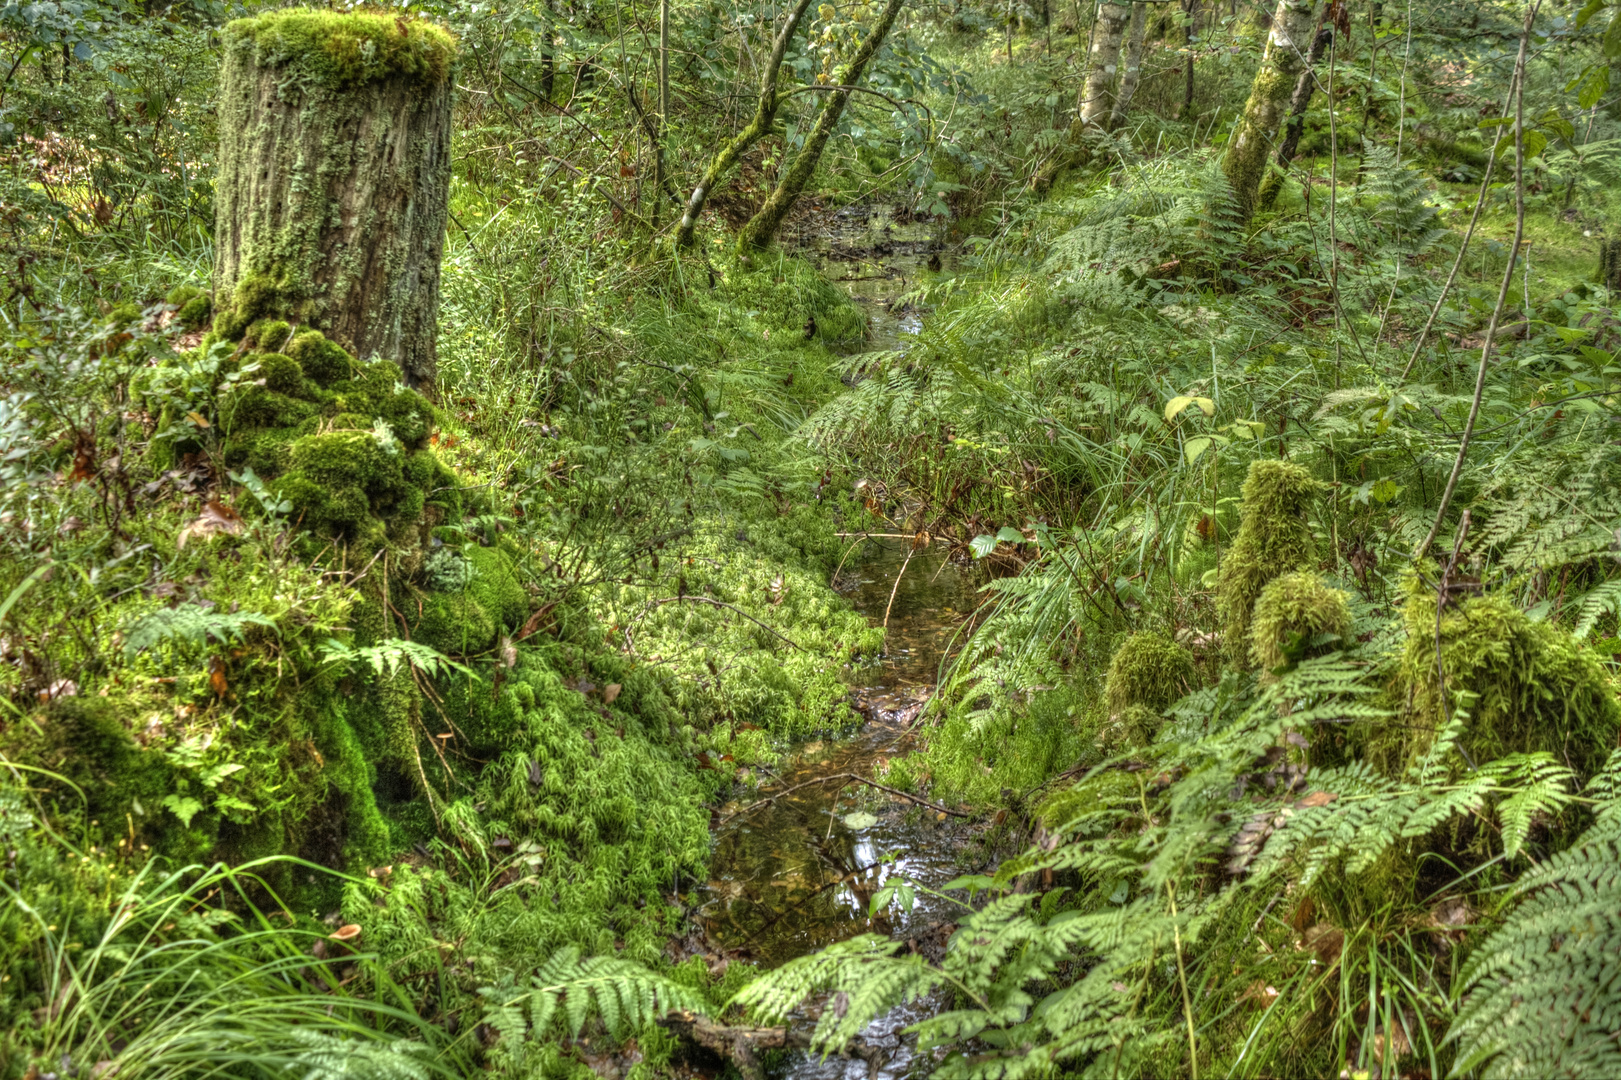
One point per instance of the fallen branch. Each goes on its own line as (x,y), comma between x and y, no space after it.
(846,776)
(740,1043)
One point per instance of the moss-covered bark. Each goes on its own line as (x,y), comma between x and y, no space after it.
(1281,65)
(762,227)
(333,184)
(1295,125)
(765,114)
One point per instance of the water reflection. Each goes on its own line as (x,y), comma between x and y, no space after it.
(799,871)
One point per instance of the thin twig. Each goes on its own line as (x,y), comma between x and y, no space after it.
(1469,233)
(1502,292)
(729,607)
(897,588)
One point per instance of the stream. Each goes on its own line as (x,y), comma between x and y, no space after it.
(798,872)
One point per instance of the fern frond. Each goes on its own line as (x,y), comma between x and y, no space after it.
(1543,994)
(569,990)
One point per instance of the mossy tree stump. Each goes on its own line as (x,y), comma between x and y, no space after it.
(334,176)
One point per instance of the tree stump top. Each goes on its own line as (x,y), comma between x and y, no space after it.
(341,50)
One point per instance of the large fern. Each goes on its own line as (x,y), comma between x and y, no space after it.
(1543,994)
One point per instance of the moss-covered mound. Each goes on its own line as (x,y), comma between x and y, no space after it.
(337,50)
(1274,538)
(1533,686)
(1293,613)
(342,441)
(1147,670)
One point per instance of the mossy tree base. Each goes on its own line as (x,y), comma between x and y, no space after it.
(1274,84)
(333,185)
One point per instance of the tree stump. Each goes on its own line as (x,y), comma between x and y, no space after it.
(334,179)
(1609,264)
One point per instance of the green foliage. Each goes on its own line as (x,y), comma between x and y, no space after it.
(163,978)
(1540,994)
(191,624)
(568,990)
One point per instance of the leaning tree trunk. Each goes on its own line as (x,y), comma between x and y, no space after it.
(1134,64)
(765,114)
(1269,93)
(763,226)
(1295,126)
(334,178)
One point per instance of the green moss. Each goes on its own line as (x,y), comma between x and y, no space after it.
(102,770)
(1293,610)
(337,50)
(256,296)
(1068,805)
(195,313)
(467,620)
(323,362)
(281,374)
(1148,670)
(1534,687)
(1274,538)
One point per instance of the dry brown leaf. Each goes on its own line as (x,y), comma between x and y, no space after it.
(610,692)
(216,676)
(1319,798)
(215,520)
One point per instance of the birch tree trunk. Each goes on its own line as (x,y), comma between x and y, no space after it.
(1096,102)
(334,180)
(765,114)
(1281,64)
(763,226)
(1295,126)
(1134,64)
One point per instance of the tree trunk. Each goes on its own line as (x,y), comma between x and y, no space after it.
(1134,64)
(1191,7)
(334,180)
(1280,67)
(1296,124)
(765,114)
(763,226)
(1096,103)
(662,124)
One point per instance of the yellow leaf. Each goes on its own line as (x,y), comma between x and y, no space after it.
(1177,405)
(198,418)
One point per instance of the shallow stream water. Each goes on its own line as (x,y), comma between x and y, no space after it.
(798,872)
